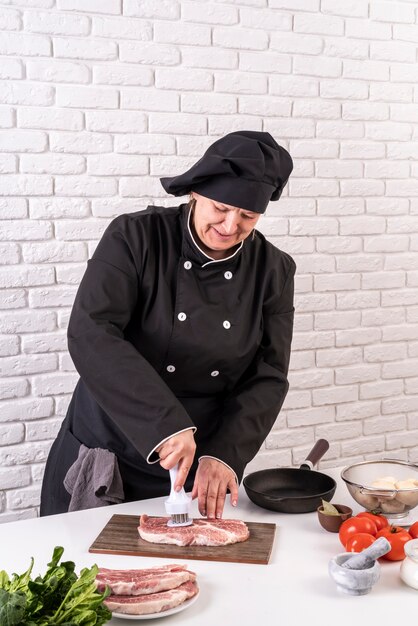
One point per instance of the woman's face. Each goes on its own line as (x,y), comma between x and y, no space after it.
(220,227)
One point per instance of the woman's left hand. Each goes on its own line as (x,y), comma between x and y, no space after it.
(213,478)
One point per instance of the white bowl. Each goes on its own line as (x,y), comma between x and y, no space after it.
(409,566)
(395,503)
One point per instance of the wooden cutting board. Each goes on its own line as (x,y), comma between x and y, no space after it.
(120,536)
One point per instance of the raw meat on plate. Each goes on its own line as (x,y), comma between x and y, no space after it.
(203,532)
(153,602)
(138,582)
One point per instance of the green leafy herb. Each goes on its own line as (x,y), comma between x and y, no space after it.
(57,598)
(329,509)
(12,607)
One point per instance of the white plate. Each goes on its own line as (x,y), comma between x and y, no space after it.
(177,609)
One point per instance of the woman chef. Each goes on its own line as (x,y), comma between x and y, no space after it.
(181,332)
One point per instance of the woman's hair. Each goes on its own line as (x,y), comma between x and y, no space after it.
(192,201)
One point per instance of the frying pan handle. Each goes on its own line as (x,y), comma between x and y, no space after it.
(316,453)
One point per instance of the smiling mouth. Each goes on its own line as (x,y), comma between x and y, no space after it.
(223,236)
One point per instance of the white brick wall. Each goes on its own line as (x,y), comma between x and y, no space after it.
(101,97)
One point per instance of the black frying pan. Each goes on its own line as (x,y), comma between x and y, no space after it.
(292,490)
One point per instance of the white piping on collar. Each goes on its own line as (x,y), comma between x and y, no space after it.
(212,260)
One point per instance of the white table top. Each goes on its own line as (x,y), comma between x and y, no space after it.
(293,589)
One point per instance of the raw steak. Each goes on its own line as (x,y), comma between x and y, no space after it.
(138,582)
(203,532)
(153,602)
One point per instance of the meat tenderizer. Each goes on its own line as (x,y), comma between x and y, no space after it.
(178,503)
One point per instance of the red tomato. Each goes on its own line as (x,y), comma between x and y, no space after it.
(359,542)
(391,530)
(379,520)
(413,531)
(397,537)
(355,525)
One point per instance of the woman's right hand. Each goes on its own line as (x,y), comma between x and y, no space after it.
(179,449)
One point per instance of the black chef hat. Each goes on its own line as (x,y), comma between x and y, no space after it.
(245,169)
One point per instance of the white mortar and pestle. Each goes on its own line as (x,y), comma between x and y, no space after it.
(356,574)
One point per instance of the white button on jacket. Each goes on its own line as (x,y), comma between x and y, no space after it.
(187,265)
(182,316)
(228,275)
(227,324)
(171,368)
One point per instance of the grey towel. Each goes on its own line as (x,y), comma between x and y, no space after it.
(94,479)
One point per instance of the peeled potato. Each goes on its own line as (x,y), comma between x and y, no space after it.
(385,485)
(409,483)
(366,500)
(389,505)
(407,497)
(388,479)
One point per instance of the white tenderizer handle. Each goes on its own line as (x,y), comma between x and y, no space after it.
(178,503)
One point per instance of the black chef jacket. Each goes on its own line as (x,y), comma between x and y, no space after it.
(166,338)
